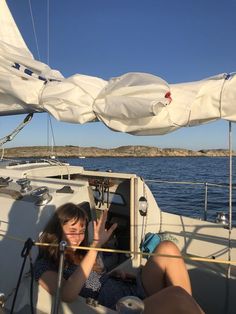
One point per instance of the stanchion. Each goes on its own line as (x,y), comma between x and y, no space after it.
(57,298)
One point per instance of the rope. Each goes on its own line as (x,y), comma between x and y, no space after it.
(230,219)
(10,136)
(48,55)
(24,253)
(48,32)
(12,237)
(31,284)
(50,131)
(3,151)
(34,30)
(184,257)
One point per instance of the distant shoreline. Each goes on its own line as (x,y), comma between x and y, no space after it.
(70,151)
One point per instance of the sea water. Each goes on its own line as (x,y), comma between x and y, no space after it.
(177,183)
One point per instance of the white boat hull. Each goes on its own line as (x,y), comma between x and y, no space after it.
(21,218)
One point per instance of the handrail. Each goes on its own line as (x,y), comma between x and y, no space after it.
(188,182)
(205,184)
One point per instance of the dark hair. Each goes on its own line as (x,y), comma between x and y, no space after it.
(53,232)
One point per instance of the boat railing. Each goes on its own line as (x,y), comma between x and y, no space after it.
(206,185)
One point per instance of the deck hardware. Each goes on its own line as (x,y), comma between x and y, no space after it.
(143,206)
(24,184)
(4,182)
(2,300)
(42,195)
(92,302)
(65,189)
(221,218)
(130,305)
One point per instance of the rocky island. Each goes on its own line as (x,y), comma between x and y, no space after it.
(123,151)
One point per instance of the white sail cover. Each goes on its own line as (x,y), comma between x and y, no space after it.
(136,103)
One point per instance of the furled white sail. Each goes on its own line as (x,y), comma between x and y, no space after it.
(9,32)
(189,104)
(136,103)
(21,77)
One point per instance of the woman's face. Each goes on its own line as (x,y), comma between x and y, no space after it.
(74,232)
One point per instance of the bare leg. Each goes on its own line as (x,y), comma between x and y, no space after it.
(171,300)
(161,272)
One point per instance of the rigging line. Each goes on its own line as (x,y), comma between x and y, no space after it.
(48,62)
(12,237)
(185,257)
(50,131)
(47,130)
(144,220)
(230,194)
(34,30)
(11,136)
(230,180)
(24,254)
(3,152)
(48,32)
(228,274)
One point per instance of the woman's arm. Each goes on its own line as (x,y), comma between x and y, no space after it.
(72,287)
(74,284)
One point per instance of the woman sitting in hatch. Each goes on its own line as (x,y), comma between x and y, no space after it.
(163,283)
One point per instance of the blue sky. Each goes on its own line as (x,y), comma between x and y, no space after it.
(179,41)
